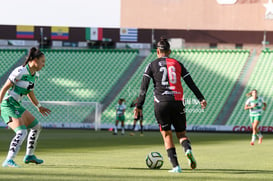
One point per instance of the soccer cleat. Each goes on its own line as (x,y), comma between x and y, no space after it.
(176,169)
(10,163)
(191,160)
(32,159)
(122,132)
(260,140)
(252,143)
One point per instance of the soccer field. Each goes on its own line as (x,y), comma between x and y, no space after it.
(88,155)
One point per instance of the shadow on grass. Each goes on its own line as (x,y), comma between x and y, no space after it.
(226,171)
(76,139)
(123,173)
(233,171)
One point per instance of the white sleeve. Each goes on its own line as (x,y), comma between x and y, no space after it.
(15,75)
(247,102)
(37,76)
(262,99)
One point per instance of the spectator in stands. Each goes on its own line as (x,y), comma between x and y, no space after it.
(120,111)
(255,105)
(19,84)
(137,117)
(166,74)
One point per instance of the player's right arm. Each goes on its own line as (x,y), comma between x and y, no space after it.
(143,90)
(144,86)
(248,105)
(133,104)
(3,91)
(13,78)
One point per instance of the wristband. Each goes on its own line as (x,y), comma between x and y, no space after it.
(38,106)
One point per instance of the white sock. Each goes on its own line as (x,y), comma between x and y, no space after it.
(32,139)
(116,129)
(123,130)
(16,143)
(259,135)
(253,138)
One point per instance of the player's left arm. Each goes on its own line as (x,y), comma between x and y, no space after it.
(190,83)
(264,107)
(124,109)
(44,111)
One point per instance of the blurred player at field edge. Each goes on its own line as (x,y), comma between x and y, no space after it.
(19,84)
(255,105)
(166,74)
(120,110)
(137,117)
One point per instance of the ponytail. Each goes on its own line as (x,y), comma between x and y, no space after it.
(33,53)
(250,93)
(163,45)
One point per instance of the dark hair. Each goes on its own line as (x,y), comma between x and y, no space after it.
(122,100)
(33,53)
(163,45)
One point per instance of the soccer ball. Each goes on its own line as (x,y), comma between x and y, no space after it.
(154,160)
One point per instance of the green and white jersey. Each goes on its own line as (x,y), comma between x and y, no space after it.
(120,109)
(257,110)
(23,83)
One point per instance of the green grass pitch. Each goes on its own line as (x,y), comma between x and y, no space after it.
(78,155)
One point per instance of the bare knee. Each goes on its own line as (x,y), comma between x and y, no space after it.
(181,136)
(168,140)
(37,127)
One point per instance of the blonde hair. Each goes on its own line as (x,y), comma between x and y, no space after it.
(250,93)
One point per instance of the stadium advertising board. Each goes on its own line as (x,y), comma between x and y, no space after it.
(268,129)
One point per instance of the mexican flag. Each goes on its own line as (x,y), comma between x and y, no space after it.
(93,33)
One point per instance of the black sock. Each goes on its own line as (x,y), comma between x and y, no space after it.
(186,144)
(133,129)
(141,129)
(172,156)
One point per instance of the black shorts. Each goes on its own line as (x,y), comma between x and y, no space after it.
(139,117)
(170,113)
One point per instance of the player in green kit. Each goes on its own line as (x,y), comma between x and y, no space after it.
(255,105)
(120,110)
(20,83)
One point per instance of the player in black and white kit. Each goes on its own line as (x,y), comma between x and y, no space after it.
(169,110)
(137,117)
